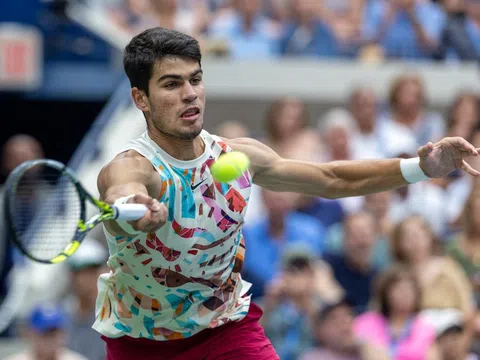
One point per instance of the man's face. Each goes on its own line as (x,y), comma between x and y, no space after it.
(176,100)
(363,108)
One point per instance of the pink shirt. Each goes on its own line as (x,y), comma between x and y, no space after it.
(413,345)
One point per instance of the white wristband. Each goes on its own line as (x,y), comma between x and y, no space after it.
(122,223)
(411,170)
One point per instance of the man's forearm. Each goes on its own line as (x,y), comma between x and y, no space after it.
(335,179)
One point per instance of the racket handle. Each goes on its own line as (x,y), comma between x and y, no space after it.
(130,211)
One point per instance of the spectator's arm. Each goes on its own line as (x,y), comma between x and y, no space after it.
(426,41)
(454,36)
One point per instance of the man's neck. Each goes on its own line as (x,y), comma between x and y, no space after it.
(398,321)
(177,148)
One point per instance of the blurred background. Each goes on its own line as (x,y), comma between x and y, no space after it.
(394,275)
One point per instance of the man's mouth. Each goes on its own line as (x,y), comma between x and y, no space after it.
(192,113)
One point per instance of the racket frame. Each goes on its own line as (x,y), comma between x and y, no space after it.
(83,226)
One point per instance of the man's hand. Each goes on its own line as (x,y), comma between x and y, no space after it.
(440,159)
(155,217)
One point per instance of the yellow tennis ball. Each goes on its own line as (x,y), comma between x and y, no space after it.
(230,166)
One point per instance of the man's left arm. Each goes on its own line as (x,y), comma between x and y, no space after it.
(339,179)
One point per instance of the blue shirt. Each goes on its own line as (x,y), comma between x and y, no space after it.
(319,42)
(473,31)
(357,285)
(260,42)
(263,253)
(328,212)
(400,39)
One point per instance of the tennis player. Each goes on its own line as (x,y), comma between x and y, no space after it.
(175,290)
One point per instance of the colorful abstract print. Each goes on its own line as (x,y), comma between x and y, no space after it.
(185,277)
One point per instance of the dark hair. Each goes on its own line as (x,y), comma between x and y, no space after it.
(155,44)
(387,280)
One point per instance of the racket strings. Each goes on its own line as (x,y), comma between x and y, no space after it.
(46,209)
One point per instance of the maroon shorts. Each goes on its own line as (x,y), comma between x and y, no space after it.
(240,340)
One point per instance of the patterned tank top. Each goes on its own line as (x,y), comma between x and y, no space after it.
(185,277)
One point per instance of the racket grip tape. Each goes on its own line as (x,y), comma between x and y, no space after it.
(130,211)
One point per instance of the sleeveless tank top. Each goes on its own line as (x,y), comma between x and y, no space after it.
(185,277)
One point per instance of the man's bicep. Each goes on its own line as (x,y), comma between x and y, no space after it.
(125,176)
(262,158)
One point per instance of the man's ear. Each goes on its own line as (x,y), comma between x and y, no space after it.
(140,99)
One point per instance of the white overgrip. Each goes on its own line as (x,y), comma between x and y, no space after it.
(130,211)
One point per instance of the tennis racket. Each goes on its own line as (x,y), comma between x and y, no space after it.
(45,207)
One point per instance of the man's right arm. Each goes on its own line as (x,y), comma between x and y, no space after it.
(131,174)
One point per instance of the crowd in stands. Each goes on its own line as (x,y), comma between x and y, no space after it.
(371,30)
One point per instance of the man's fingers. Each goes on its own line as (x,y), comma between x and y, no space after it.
(425,150)
(468,169)
(150,202)
(463,145)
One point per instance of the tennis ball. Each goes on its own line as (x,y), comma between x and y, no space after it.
(230,166)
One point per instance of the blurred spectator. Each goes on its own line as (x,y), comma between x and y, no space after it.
(405,29)
(450,340)
(248,33)
(328,212)
(365,141)
(379,206)
(407,120)
(464,115)
(232,130)
(395,325)
(85,265)
(47,334)
(267,238)
(333,332)
(338,127)
(291,300)
(130,15)
(288,132)
(306,34)
(16,150)
(461,35)
(345,18)
(353,269)
(443,283)
(465,247)
(452,331)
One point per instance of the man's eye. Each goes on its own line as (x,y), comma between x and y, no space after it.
(171,85)
(195,81)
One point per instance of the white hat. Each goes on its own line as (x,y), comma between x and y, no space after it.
(90,253)
(443,319)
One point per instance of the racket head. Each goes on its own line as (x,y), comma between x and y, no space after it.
(44,206)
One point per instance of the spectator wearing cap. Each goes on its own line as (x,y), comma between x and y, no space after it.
(395,325)
(453,337)
(268,237)
(292,298)
(335,337)
(85,267)
(47,335)
(353,268)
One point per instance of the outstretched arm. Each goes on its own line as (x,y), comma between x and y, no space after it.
(350,178)
(131,174)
